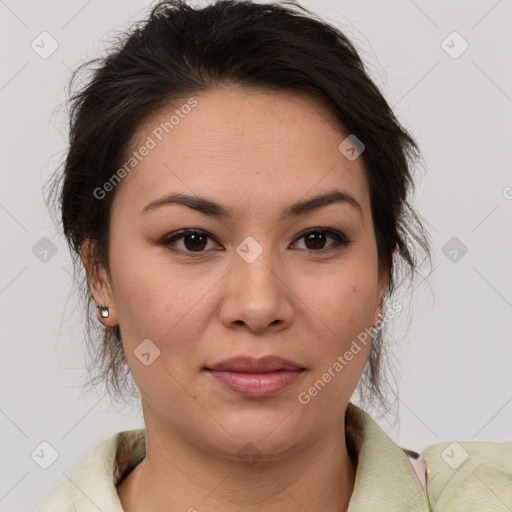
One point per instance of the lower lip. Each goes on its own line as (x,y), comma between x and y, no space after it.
(256,385)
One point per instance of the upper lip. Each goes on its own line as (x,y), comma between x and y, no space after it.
(254,365)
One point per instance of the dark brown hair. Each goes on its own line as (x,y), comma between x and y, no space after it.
(178,51)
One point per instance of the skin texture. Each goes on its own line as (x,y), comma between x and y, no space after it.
(255,152)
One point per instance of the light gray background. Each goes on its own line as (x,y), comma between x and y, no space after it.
(456,354)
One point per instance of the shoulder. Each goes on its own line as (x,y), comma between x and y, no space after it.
(465,474)
(95,478)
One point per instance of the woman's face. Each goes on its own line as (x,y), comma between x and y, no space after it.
(264,280)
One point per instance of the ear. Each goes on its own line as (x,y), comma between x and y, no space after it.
(100,285)
(383,282)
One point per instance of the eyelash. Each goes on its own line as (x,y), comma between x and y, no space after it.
(340,240)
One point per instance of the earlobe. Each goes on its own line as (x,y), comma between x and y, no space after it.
(384,278)
(379,317)
(100,287)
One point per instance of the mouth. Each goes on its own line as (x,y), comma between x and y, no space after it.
(256,378)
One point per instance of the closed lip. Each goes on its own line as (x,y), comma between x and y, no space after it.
(247,364)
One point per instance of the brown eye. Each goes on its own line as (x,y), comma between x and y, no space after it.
(193,241)
(315,239)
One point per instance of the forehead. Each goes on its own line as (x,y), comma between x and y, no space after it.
(241,144)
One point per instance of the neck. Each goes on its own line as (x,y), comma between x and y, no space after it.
(178,475)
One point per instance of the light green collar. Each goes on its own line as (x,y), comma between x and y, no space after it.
(470,475)
(385,480)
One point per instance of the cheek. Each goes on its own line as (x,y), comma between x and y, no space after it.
(344,299)
(157,301)
(341,345)
(344,311)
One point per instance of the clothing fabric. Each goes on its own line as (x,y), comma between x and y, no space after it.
(463,476)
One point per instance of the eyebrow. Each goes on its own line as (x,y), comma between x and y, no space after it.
(208,207)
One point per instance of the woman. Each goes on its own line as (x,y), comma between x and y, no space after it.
(236,188)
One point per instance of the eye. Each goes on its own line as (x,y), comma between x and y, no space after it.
(196,241)
(315,239)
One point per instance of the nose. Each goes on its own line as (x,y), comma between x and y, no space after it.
(256,294)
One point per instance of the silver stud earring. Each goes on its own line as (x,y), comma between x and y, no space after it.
(103,311)
(379,322)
